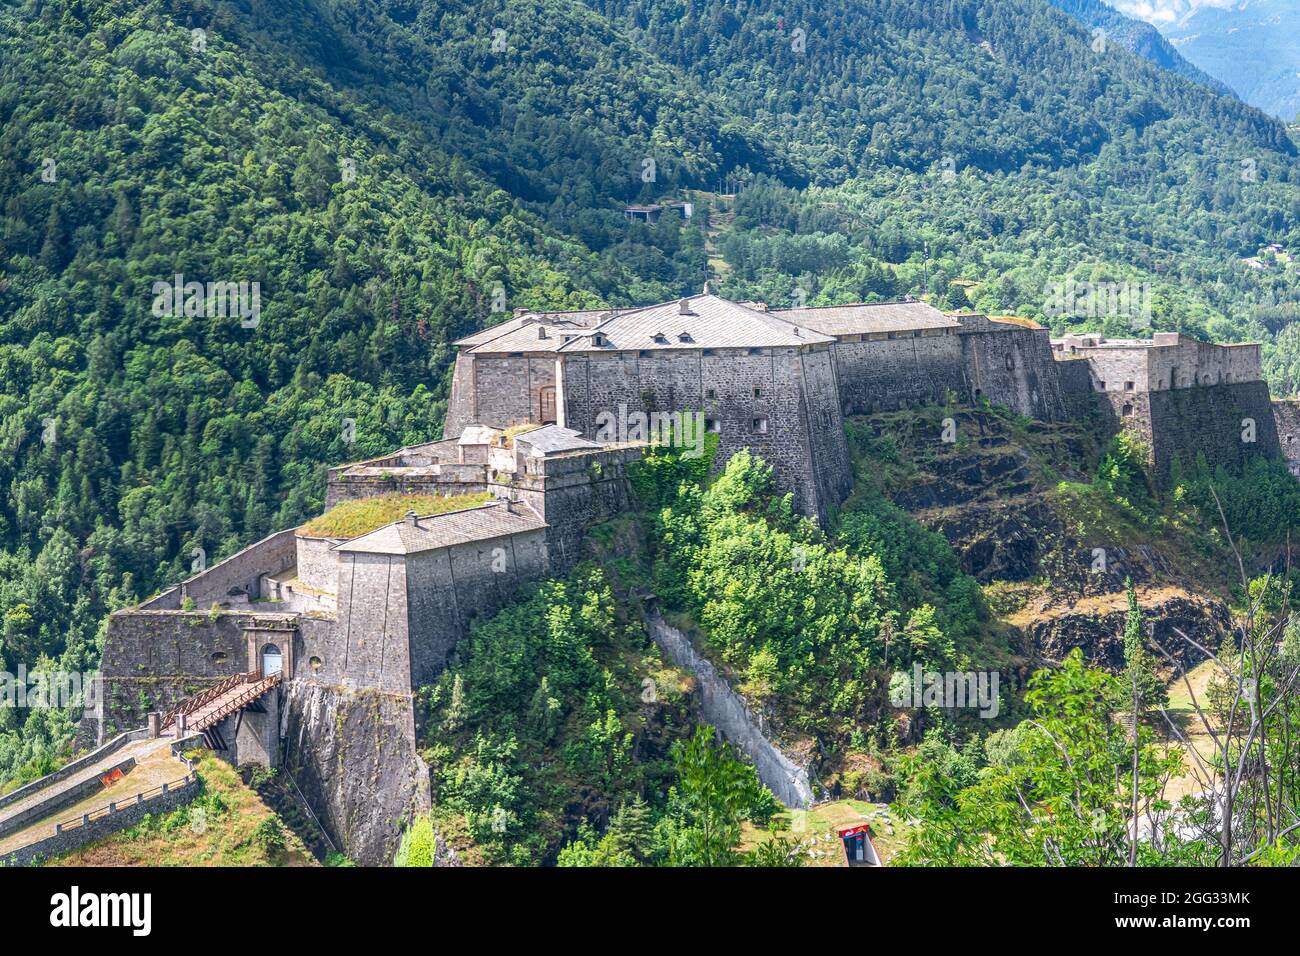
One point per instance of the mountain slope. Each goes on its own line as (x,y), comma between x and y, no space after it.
(396,173)
(1137,36)
(1253,46)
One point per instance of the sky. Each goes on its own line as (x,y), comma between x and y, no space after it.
(1162,12)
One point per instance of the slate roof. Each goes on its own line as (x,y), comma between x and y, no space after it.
(521,335)
(481,523)
(713,322)
(552,439)
(864,318)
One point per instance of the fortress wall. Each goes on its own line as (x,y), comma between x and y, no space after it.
(1076,387)
(372,621)
(273,553)
(460,404)
(827,467)
(1286,417)
(1112,369)
(507,388)
(1186,422)
(320,652)
(1202,363)
(570,493)
(888,374)
(1012,366)
(318,566)
(456,480)
(154,658)
(678,381)
(451,587)
(1132,412)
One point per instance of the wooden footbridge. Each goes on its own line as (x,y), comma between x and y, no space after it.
(203,712)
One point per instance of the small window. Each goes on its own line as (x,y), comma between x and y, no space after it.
(708,352)
(684,337)
(219,657)
(315,663)
(1126,410)
(598,339)
(661,338)
(712,425)
(1102,385)
(711,393)
(1011,363)
(1128,386)
(755,351)
(758,392)
(759,425)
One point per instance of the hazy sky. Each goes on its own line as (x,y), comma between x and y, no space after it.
(1161,12)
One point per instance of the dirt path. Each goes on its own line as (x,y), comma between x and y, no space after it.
(154,766)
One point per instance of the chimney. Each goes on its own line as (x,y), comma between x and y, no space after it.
(520,310)
(510,505)
(541,331)
(706,287)
(684,307)
(410,518)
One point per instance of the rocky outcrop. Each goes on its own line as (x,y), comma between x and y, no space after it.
(727,711)
(353,756)
(1096,626)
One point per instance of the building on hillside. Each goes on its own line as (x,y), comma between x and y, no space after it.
(1183,397)
(776,381)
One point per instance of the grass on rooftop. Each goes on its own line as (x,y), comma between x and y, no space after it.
(519,429)
(348,519)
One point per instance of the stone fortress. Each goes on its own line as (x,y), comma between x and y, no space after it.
(355,626)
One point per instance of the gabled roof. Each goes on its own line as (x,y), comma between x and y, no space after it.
(866,318)
(520,334)
(481,523)
(552,439)
(479,435)
(712,322)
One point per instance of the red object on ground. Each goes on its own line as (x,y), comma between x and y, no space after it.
(112,776)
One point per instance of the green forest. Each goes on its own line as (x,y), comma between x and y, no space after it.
(394,174)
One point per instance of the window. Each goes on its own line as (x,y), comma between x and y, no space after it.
(712,425)
(315,663)
(1128,386)
(755,351)
(758,392)
(1126,410)
(708,352)
(711,393)
(759,425)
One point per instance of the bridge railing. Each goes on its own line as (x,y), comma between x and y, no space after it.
(191,704)
(254,691)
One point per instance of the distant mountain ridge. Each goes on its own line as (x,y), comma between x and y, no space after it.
(1137,36)
(1252,46)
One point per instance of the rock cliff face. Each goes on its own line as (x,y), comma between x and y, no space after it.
(1014,503)
(352,753)
(1096,626)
